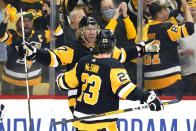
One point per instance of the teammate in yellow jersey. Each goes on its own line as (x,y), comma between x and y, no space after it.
(102,80)
(162,72)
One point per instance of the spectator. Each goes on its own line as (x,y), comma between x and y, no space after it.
(42,16)
(187,57)
(14,77)
(122,27)
(162,71)
(70,31)
(110,82)
(67,6)
(118,21)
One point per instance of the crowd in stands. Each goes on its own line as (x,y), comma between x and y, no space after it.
(171,24)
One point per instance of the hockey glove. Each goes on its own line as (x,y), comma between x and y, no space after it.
(150,46)
(153,101)
(30,51)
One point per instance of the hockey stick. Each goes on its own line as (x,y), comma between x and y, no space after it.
(171,102)
(179,95)
(103,114)
(26,72)
(112,112)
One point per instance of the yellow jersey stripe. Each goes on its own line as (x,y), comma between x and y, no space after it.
(30,1)
(111,25)
(114,89)
(47,36)
(124,96)
(116,53)
(58,31)
(72,102)
(126,90)
(8,40)
(4,38)
(173,20)
(60,82)
(71,76)
(184,30)
(161,83)
(32,82)
(95,126)
(54,62)
(66,4)
(123,56)
(130,29)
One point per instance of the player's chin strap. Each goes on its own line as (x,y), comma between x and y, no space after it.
(145,106)
(26,72)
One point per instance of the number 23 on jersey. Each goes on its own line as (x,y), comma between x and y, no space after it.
(94,82)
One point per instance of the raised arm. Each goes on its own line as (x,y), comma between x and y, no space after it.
(130,29)
(140,49)
(187,13)
(5,37)
(54,58)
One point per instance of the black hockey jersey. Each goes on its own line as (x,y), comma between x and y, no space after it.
(69,55)
(14,70)
(101,82)
(163,69)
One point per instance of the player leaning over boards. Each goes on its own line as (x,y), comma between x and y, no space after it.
(162,72)
(87,32)
(102,80)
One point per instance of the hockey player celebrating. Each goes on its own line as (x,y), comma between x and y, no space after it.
(86,37)
(101,81)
